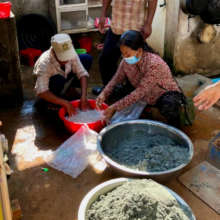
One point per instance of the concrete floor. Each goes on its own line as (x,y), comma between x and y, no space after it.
(53,195)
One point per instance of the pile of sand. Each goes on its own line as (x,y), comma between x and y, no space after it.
(137,200)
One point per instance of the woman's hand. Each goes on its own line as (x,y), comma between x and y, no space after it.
(109,112)
(84,104)
(69,108)
(101,25)
(207,97)
(100,100)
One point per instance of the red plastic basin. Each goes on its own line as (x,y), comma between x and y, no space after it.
(73,127)
(5,8)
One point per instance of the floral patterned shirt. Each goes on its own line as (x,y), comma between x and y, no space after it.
(151,78)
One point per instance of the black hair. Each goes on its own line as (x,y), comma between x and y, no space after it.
(134,40)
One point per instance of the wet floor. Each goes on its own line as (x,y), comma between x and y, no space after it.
(53,195)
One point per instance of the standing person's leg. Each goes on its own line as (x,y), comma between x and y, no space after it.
(86,61)
(108,60)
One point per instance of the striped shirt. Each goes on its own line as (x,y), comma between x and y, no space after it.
(151,78)
(128,15)
(47,66)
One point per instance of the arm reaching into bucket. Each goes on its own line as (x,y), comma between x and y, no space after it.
(109,112)
(84,105)
(100,100)
(50,97)
(207,97)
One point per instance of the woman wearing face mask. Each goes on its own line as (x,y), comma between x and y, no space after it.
(149,75)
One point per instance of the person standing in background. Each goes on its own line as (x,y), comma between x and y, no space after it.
(126,15)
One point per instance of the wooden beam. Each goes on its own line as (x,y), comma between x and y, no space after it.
(4,195)
(16,209)
(172,20)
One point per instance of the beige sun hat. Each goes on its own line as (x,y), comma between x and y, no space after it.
(63,47)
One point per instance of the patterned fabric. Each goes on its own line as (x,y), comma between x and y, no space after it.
(47,66)
(151,78)
(128,15)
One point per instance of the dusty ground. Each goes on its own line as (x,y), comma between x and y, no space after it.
(53,195)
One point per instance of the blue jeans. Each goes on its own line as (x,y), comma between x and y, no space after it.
(57,82)
(108,60)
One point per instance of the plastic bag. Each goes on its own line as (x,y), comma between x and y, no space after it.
(132,112)
(72,157)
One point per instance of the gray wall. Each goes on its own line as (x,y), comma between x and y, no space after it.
(182,46)
(21,7)
(191,56)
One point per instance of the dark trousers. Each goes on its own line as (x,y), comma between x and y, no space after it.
(108,60)
(169,105)
(57,82)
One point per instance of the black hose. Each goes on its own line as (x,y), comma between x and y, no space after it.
(35,31)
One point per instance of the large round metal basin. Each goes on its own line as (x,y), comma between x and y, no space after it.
(111,137)
(107,186)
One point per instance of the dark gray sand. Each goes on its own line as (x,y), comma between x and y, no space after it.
(149,153)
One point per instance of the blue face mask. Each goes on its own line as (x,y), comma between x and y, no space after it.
(132,60)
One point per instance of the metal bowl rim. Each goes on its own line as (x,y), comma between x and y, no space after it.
(145,173)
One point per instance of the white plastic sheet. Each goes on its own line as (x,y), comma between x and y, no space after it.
(132,112)
(72,157)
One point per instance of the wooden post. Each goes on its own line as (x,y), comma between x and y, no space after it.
(4,195)
(10,76)
(16,209)
(172,20)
